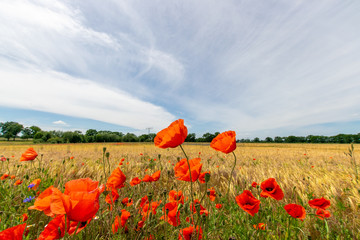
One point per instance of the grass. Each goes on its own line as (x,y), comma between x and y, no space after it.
(303,171)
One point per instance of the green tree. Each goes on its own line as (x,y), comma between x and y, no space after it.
(34,130)
(26,133)
(10,129)
(130,137)
(191,137)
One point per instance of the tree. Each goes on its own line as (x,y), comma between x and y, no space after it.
(34,130)
(191,137)
(269,139)
(26,133)
(130,137)
(10,129)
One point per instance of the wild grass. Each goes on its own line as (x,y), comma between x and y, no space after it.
(303,171)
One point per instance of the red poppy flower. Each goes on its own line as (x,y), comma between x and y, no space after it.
(152,178)
(12,177)
(260,226)
(202,176)
(13,233)
(135,181)
(4,176)
(248,202)
(55,229)
(172,136)
(296,211)
(145,207)
(171,213)
(224,142)
(175,196)
(219,206)
(116,179)
(182,169)
(49,201)
(127,202)
(150,237)
(270,188)
(111,199)
(18,182)
(321,213)
(81,199)
(25,217)
(211,194)
(319,203)
(254,184)
(3,159)
(191,233)
(124,217)
(196,206)
(28,155)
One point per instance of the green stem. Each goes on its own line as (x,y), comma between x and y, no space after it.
(231,175)
(191,184)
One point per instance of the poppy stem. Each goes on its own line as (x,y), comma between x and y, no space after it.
(232,170)
(191,182)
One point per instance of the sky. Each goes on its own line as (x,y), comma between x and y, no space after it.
(260,68)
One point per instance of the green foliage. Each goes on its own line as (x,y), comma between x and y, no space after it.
(10,129)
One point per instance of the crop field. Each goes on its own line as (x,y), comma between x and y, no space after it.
(302,171)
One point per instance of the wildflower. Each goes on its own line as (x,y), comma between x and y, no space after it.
(219,206)
(25,217)
(4,176)
(248,202)
(182,169)
(116,179)
(12,177)
(175,196)
(55,229)
(211,194)
(172,136)
(28,199)
(28,155)
(124,217)
(254,184)
(81,199)
(127,202)
(296,211)
(319,203)
(202,176)
(190,233)
(224,142)
(197,207)
(171,213)
(270,188)
(135,181)
(150,237)
(18,182)
(34,184)
(2,159)
(321,213)
(260,226)
(49,201)
(112,197)
(152,178)
(312,166)
(13,233)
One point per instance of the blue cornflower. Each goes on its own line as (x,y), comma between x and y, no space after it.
(28,199)
(31,185)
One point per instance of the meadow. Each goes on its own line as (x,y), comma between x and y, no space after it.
(303,172)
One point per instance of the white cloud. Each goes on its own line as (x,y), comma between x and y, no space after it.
(59,122)
(62,94)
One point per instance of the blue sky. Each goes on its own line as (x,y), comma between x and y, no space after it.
(261,68)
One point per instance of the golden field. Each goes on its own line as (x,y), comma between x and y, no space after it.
(302,170)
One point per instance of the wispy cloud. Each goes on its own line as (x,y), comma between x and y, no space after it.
(247,66)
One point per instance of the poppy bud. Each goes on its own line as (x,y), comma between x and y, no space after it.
(150,196)
(104,150)
(207,177)
(197,207)
(107,155)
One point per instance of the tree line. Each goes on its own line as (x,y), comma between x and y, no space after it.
(11,130)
